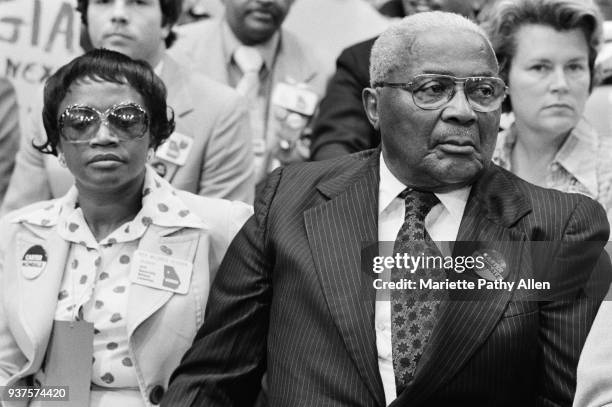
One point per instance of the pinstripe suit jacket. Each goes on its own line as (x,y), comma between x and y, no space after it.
(290,299)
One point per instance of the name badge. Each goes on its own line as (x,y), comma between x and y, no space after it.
(495,267)
(161,272)
(295,98)
(176,149)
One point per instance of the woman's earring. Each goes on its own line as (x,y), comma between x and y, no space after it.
(150,153)
(62,160)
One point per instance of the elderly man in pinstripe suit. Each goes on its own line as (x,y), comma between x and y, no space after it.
(291,300)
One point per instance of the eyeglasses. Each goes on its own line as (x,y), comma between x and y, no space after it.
(80,124)
(432,91)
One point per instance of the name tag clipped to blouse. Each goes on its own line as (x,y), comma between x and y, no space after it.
(161,272)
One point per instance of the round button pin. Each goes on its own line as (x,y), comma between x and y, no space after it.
(33,262)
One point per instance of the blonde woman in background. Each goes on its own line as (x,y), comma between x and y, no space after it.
(546,50)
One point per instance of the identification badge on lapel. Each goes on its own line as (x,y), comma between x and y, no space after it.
(295,98)
(495,267)
(176,149)
(161,272)
(33,262)
(69,359)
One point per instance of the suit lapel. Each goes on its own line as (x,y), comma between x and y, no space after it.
(144,301)
(290,63)
(336,231)
(38,296)
(468,318)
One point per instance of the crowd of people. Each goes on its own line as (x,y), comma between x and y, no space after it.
(191,213)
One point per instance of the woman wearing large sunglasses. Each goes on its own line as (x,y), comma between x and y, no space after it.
(104,289)
(546,51)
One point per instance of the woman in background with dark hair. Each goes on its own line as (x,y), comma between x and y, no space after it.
(118,270)
(546,50)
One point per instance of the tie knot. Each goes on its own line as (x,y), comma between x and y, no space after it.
(248,59)
(418,203)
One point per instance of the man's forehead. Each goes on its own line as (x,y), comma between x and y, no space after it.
(438,39)
(451,52)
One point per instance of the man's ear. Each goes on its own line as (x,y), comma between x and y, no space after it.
(370,105)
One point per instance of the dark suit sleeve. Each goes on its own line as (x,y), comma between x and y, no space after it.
(564,323)
(227,360)
(341,126)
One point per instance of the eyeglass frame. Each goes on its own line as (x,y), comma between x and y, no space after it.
(409,87)
(103,120)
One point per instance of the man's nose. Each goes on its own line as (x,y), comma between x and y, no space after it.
(458,109)
(559,80)
(119,12)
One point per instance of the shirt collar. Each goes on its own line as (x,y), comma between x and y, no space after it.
(575,155)
(160,206)
(389,188)
(266,49)
(159,67)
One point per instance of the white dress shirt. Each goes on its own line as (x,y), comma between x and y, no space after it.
(442,223)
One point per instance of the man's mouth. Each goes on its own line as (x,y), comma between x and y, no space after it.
(263,14)
(117,36)
(456,147)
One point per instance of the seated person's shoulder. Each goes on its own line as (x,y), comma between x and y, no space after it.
(305,60)
(303,178)
(192,30)
(560,204)
(43,213)
(221,94)
(334,166)
(191,40)
(360,50)
(215,212)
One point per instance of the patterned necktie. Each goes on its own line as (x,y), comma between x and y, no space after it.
(413,312)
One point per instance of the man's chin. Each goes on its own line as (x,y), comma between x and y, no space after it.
(460,174)
(122,48)
(260,31)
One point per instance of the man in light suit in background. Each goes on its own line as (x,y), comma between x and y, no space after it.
(293,296)
(208,154)
(248,49)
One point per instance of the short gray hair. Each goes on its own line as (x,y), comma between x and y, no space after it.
(393,47)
